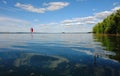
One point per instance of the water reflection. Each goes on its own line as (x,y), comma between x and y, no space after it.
(26,64)
(111,42)
(55,55)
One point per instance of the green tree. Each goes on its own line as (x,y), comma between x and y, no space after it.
(110,25)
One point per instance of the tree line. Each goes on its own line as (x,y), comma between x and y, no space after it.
(110,25)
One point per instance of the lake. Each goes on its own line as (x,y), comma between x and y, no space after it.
(59,55)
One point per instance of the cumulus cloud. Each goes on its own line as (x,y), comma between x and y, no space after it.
(52,6)
(89,18)
(80,21)
(30,8)
(67,21)
(102,15)
(56,5)
(90,22)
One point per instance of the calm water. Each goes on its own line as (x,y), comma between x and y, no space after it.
(59,55)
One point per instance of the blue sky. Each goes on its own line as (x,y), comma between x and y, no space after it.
(54,15)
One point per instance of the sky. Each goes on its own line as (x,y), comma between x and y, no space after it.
(54,16)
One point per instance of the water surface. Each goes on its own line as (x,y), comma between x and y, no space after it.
(59,55)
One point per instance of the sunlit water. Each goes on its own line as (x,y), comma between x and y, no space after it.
(59,55)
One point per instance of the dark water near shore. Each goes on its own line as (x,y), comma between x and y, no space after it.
(59,55)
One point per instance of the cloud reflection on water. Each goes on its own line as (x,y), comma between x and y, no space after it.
(55,55)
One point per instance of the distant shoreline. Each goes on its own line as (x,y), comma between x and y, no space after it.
(44,33)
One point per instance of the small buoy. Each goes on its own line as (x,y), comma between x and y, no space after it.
(32,30)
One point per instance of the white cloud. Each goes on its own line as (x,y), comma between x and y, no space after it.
(49,7)
(102,15)
(56,5)
(5,2)
(12,20)
(67,21)
(90,22)
(30,8)
(11,24)
(116,8)
(80,21)
(89,18)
